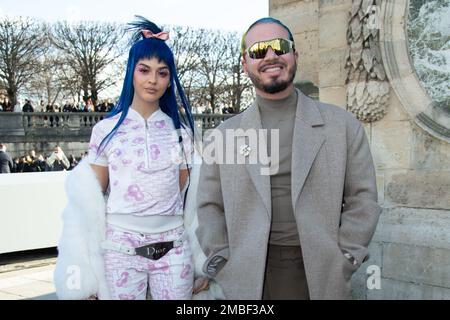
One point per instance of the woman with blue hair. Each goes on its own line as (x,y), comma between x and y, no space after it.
(140,158)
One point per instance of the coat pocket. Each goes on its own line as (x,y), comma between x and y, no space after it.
(348,267)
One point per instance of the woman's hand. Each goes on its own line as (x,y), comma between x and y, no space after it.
(200,284)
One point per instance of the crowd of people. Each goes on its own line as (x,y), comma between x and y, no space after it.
(88,106)
(33,162)
(84,106)
(228,110)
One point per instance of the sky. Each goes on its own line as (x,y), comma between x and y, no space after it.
(231,15)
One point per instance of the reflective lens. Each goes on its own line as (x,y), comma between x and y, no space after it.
(279,45)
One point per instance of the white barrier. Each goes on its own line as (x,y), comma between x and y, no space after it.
(30,210)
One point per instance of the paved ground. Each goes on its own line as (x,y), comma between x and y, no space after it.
(34,283)
(27,276)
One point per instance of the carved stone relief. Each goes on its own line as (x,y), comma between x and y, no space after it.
(367,85)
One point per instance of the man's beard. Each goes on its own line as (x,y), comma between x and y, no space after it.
(276,85)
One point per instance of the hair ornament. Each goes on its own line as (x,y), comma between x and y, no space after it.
(163,35)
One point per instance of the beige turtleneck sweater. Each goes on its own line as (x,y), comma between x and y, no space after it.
(280,114)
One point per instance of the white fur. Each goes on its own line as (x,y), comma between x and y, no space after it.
(83,231)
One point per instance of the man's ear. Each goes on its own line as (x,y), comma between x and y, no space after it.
(244,65)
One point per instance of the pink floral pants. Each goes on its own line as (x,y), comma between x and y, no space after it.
(129,276)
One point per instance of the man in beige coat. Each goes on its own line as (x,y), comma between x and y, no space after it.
(301,230)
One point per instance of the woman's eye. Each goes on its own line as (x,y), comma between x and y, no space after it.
(144,71)
(163,74)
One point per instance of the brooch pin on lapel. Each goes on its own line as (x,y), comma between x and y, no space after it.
(245,150)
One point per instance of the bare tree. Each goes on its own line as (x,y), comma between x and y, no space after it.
(238,90)
(22,43)
(84,59)
(46,83)
(187,45)
(91,50)
(70,83)
(211,70)
(220,80)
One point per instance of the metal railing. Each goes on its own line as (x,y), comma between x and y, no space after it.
(46,124)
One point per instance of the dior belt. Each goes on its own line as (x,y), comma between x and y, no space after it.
(153,251)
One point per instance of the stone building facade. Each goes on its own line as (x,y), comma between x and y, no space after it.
(355,52)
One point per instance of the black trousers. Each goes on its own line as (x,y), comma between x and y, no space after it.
(285,277)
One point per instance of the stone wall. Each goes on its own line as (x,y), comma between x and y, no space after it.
(41,131)
(412,242)
(411,245)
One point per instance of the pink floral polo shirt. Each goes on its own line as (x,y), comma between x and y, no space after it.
(144,158)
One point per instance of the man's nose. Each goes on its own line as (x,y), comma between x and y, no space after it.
(270,55)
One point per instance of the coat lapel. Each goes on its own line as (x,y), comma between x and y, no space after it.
(306,143)
(251,120)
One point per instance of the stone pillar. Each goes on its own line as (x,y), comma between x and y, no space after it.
(333,17)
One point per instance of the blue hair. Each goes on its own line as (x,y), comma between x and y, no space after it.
(264,20)
(143,48)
